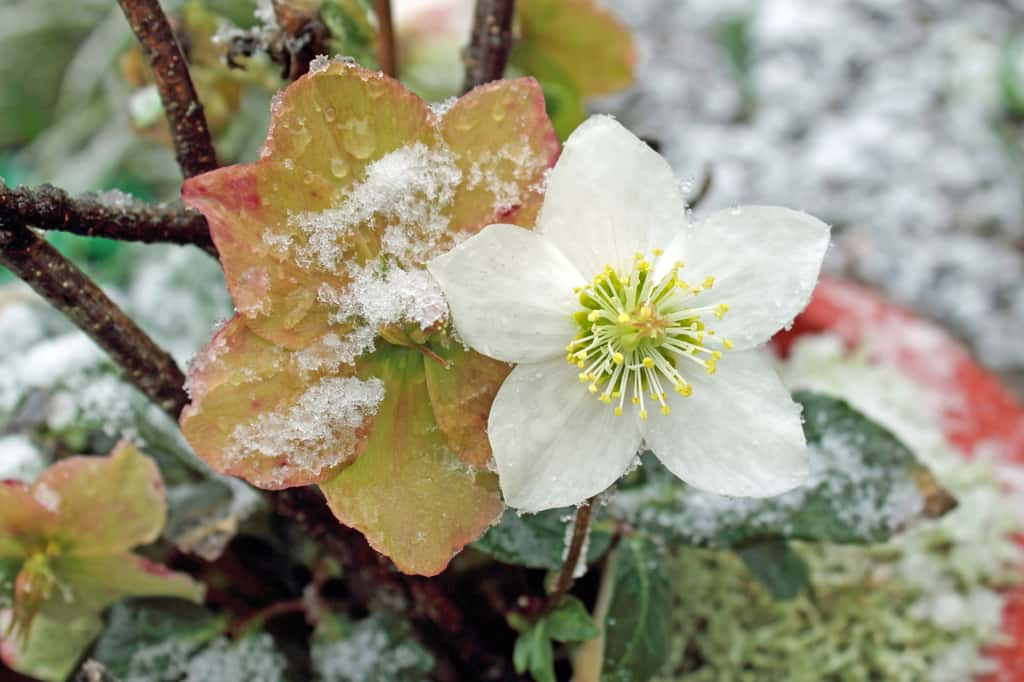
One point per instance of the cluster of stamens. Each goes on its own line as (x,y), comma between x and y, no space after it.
(636,333)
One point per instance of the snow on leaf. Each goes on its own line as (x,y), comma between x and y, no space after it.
(461,395)
(505,144)
(359,184)
(249,208)
(278,418)
(412,498)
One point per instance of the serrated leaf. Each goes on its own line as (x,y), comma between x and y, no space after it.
(638,625)
(538,540)
(412,498)
(865,485)
(777,566)
(153,640)
(570,622)
(378,647)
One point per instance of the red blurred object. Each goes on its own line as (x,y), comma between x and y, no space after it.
(978,412)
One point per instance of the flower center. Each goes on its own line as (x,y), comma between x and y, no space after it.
(638,335)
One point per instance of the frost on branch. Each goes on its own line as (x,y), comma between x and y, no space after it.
(323,243)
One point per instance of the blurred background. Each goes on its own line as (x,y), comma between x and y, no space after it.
(900,121)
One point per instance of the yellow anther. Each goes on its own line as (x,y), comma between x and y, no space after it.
(648,362)
(618,358)
(643,265)
(594,316)
(584,377)
(636,400)
(618,410)
(616,394)
(681,284)
(721,310)
(709,282)
(581,364)
(592,388)
(581,355)
(623,318)
(643,414)
(727,343)
(695,290)
(684,389)
(711,367)
(658,252)
(638,256)
(679,265)
(605,398)
(665,409)
(577,290)
(716,354)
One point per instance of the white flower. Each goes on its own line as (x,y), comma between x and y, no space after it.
(658,320)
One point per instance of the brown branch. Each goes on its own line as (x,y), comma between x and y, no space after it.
(116,216)
(387,52)
(490,42)
(580,531)
(67,288)
(193,145)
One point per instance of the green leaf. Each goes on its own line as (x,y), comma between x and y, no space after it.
(154,639)
(534,654)
(570,622)
(865,486)
(778,566)
(255,657)
(638,626)
(379,647)
(538,540)
(352,33)
(9,568)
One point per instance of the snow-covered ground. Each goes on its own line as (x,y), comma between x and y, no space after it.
(885,117)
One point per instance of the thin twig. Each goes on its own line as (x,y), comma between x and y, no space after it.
(193,145)
(580,530)
(490,42)
(94,215)
(387,51)
(281,608)
(67,288)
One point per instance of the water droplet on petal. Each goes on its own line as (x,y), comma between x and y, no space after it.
(339,167)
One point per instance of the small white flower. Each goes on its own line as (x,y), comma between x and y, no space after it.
(658,321)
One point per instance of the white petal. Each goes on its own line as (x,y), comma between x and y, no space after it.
(609,196)
(739,434)
(765,261)
(511,294)
(554,443)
